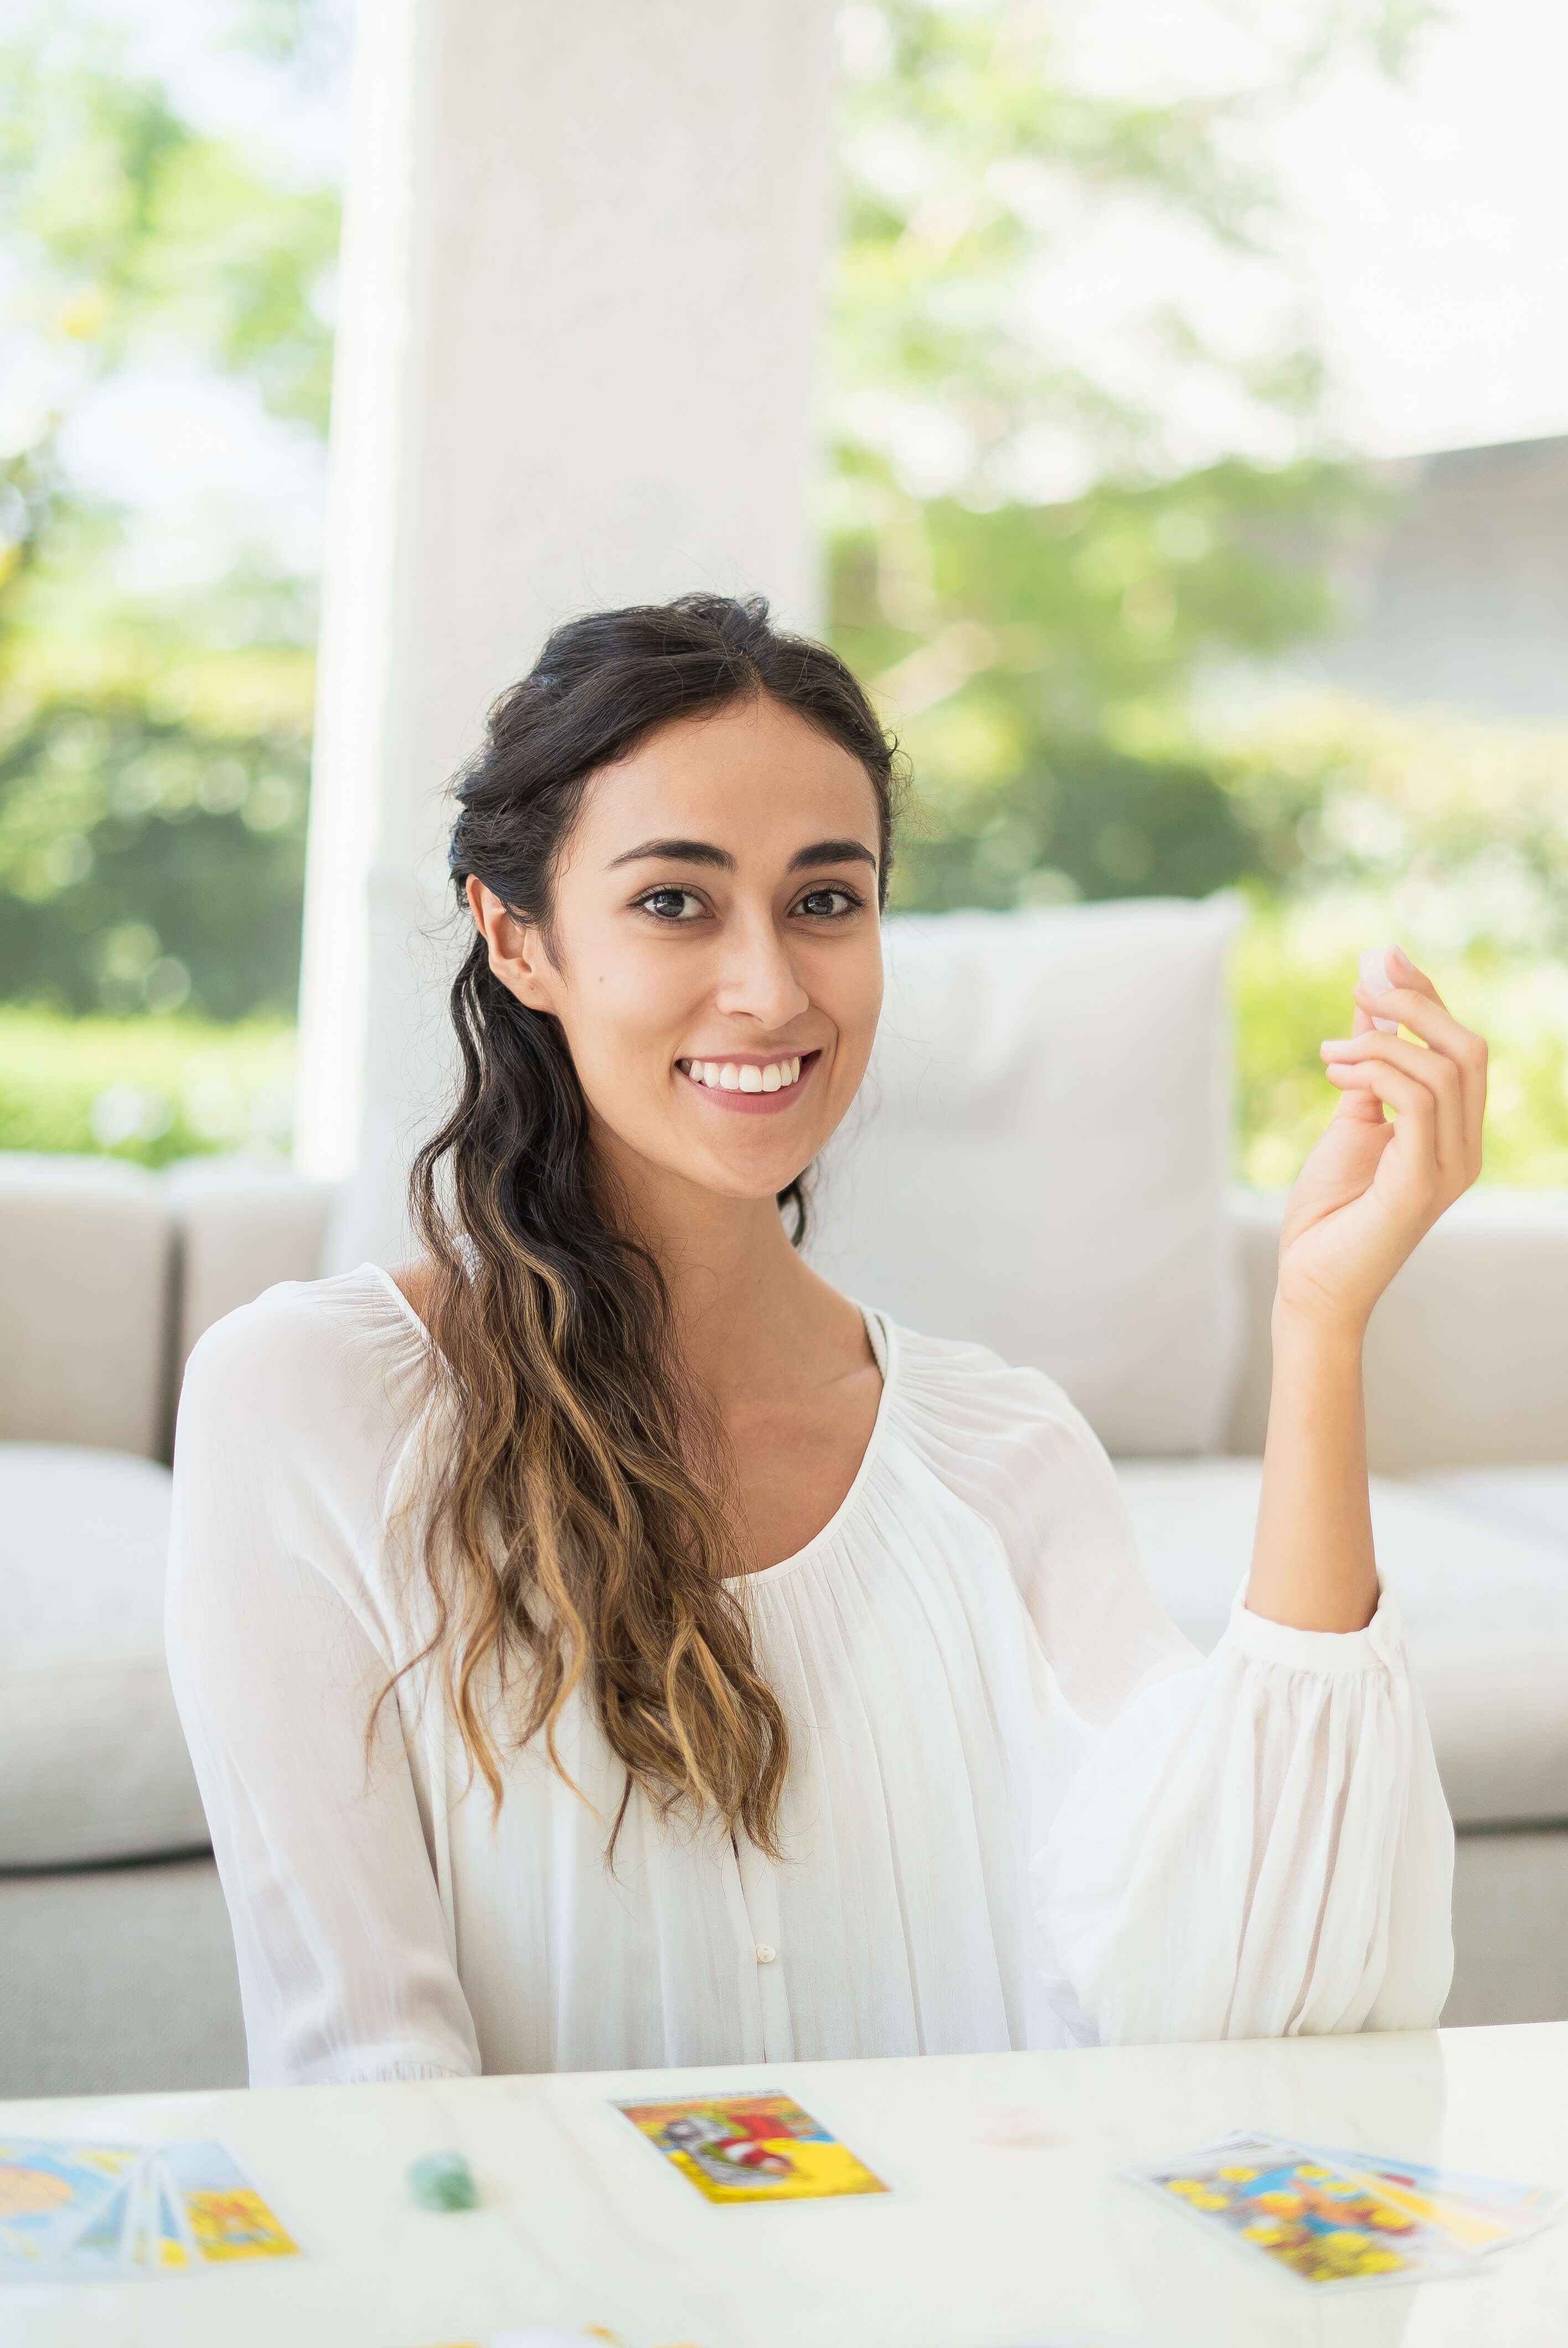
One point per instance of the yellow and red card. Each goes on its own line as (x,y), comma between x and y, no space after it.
(759,2148)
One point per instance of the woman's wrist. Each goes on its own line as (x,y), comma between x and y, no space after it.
(1312,1566)
(1297,1332)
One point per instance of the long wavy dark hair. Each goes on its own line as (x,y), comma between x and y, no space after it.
(579,1530)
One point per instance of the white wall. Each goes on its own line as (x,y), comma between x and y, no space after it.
(582,278)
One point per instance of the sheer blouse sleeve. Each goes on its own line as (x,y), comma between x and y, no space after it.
(278,1647)
(1250,1844)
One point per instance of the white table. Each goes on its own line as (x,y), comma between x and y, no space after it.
(980,2242)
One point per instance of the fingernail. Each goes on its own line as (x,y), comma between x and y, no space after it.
(1376,980)
(1335,1043)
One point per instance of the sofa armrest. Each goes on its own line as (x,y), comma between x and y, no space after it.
(1467,1355)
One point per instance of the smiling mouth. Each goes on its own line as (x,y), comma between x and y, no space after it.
(751,1079)
(759,1088)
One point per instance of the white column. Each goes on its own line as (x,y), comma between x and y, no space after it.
(579,321)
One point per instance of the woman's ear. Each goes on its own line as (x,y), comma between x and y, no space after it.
(517,953)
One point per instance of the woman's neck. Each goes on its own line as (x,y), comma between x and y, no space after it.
(750,1316)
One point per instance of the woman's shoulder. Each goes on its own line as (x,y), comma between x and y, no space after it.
(960,1379)
(297,1413)
(305,1351)
(994,1431)
(1006,1439)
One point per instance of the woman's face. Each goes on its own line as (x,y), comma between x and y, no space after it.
(715,923)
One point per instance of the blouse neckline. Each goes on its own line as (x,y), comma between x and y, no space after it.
(882,1335)
(884,1344)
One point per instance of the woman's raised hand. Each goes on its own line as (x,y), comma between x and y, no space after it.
(1372,1188)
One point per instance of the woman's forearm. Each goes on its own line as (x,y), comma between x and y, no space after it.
(1369,1189)
(1312,1562)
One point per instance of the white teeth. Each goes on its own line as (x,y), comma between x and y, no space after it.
(744,1075)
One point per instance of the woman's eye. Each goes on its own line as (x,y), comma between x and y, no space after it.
(666,904)
(658,903)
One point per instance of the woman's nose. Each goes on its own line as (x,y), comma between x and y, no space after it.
(758,980)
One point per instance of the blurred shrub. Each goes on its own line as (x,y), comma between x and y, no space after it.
(154,748)
(153,789)
(148,1089)
(1445,835)
(1290,982)
(1454,828)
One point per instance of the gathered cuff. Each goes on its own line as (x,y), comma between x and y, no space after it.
(1326,1653)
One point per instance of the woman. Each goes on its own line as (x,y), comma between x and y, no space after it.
(602,1644)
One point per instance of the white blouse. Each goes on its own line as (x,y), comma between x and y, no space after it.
(1022,1810)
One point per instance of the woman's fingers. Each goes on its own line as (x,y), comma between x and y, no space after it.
(1418,1005)
(1428,1067)
(1415,1141)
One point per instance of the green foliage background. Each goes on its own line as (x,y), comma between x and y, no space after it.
(154,750)
(1036,571)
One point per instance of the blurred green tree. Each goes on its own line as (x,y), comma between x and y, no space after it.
(153,748)
(1027,559)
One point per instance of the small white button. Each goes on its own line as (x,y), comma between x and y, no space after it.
(765,1952)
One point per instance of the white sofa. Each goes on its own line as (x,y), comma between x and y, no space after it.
(115,1969)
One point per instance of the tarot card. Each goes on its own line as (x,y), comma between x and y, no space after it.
(1524,2207)
(139,2192)
(1311,2218)
(1480,2213)
(159,2242)
(759,2148)
(52,2192)
(102,2248)
(217,2214)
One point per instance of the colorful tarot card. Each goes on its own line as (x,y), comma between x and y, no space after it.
(1480,2213)
(752,2148)
(1312,2218)
(51,2193)
(217,2213)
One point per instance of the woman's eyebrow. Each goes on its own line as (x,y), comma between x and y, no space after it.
(832,852)
(705,851)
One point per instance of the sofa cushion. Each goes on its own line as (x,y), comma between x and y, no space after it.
(93,1764)
(87,1249)
(1535,1499)
(1485,1603)
(1036,1158)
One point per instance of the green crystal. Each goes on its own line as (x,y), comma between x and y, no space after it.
(443,2180)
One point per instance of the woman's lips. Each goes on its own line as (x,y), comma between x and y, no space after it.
(740,1104)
